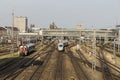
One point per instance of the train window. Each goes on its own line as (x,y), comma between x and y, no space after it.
(60,45)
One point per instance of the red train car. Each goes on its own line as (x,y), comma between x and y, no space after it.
(26,49)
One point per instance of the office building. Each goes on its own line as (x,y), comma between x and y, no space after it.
(21,23)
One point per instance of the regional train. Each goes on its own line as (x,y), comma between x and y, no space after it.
(26,49)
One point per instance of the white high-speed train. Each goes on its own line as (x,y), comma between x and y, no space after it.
(60,46)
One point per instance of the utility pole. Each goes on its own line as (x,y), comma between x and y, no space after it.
(12,36)
(106,37)
(42,38)
(119,47)
(80,40)
(62,34)
(119,40)
(114,55)
(79,43)
(94,50)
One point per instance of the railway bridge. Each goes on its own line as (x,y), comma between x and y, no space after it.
(102,34)
(75,33)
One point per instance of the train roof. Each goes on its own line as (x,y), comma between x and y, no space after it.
(30,44)
(60,43)
(116,42)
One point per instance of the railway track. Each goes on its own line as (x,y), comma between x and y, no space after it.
(78,69)
(106,63)
(111,51)
(11,61)
(105,68)
(34,65)
(23,67)
(116,68)
(6,49)
(10,72)
(110,48)
(38,72)
(15,70)
(59,74)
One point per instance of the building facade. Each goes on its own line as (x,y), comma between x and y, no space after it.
(118,31)
(9,31)
(21,23)
(3,31)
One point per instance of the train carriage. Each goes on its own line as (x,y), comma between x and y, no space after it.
(117,44)
(27,49)
(60,47)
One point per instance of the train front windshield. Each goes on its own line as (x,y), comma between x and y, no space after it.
(60,45)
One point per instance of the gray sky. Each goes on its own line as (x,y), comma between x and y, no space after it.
(65,13)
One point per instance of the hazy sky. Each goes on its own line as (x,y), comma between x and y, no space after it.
(65,13)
